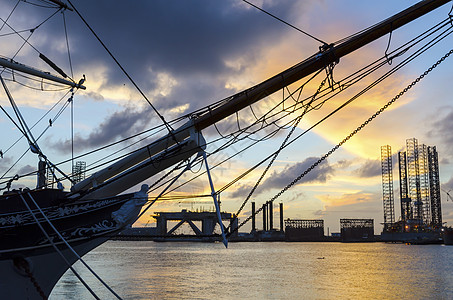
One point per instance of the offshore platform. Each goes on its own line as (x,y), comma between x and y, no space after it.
(420,201)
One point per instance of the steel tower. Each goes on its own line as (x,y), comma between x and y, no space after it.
(424,183)
(387,186)
(414,178)
(78,171)
(434,186)
(406,208)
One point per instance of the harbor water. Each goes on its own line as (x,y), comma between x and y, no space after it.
(150,270)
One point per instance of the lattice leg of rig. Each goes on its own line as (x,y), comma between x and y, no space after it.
(406,208)
(414,177)
(434,187)
(387,186)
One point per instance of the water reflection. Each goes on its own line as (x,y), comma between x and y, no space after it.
(148,270)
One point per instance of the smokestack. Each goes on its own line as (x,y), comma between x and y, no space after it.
(264,217)
(271,215)
(281,216)
(253,217)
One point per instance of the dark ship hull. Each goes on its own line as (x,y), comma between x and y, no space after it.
(30,264)
(447,236)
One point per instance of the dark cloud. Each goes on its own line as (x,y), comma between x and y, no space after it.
(447,187)
(442,130)
(120,124)
(180,37)
(370,168)
(242,191)
(26,169)
(5,163)
(183,38)
(281,179)
(189,40)
(296,197)
(319,213)
(344,163)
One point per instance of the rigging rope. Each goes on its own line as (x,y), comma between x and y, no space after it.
(21,264)
(284,22)
(282,146)
(169,128)
(236,138)
(53,243)
(14,8)
(31,32)
(67,42)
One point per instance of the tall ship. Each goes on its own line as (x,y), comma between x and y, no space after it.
(46,228)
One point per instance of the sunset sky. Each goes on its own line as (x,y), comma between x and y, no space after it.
(185,55)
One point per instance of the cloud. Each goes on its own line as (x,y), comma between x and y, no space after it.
(166,50)
(447,187)
(241,191)
(319,174)
(95,96)
(5,163)
(319,213)
(297,197)
(120,124)
(26,169)
(184,45)
(346,199)
(278,180)
(442,129)
(344,163)
(370,168)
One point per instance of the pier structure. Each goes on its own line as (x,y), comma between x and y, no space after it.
(208,222)
(304,230)
(268,231)
(357,230)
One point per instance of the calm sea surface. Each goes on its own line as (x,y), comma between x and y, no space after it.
(149,270)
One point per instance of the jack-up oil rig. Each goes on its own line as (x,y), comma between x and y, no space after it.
(420,200)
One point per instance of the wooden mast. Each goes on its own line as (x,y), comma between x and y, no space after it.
(41,74)
(326,56)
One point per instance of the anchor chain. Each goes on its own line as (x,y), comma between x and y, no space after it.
(325,156)
(283,144)
(22,265)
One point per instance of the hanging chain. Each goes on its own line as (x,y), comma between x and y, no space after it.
(324,157)
(22,265)
(283,145)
